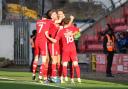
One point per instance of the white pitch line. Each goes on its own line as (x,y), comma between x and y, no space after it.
(36,83)
(6,78)
(51,85)
(56,86)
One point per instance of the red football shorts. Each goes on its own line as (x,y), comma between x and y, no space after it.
(54,49)
(41,48)
(69,55)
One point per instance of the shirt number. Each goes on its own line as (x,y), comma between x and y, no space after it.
(41,26)
(69,39)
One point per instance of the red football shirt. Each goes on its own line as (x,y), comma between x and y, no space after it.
(74,28)
(41,41)
(41,27)
(53,48)
(53,30)
(65,35)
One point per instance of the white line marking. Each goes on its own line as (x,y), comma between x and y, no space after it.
(57,86)
(6,78)
(50,85)
(36,83)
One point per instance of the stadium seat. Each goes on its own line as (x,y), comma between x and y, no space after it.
(121,28)
(117,21)
(95,47)
(126,11)
(82,48)
(92,38)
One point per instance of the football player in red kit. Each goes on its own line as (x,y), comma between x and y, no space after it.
(61,15)
(53,48)
(68,48)
(41,48)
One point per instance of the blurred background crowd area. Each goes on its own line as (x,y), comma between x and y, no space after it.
(18,19)
(122,42)
(81,9)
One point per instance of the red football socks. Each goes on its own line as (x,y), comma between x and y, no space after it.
(77,71)
(34,67)
(65,71)
(53,70)
(59,70)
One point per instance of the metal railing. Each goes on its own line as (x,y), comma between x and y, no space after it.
(21,40)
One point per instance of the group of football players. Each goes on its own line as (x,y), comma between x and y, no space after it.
(54,43)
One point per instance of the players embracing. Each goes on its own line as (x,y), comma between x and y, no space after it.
(58,40)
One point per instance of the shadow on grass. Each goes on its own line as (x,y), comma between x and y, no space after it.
(18,85)
(87,84)
(26,76)
(4,85)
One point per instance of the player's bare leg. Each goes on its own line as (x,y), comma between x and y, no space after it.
(54,64)
(35,63)
(77,68)
(59,66)
(65,70)
(72,72)
(44,68)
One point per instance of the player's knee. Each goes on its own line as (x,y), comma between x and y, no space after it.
(44,59)
(36,58)
(75,63)
(54,60)
(65,64)
(58,60)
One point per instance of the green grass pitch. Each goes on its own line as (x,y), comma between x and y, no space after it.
(22,80)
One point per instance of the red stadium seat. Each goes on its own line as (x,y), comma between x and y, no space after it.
(121,28)
(125,11)
(92,38)
(116,21)
(82,48)
(95,47)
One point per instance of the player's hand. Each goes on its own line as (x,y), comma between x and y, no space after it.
(46,33)
(54,40)
(61,27)
(72,17)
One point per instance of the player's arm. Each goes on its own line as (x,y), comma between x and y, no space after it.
(71,20)
(31,41)
(77,34)
(48,37)
(76,31)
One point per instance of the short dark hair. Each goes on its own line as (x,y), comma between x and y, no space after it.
(34,32)
(61,10)
(49,13)
(66,20)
